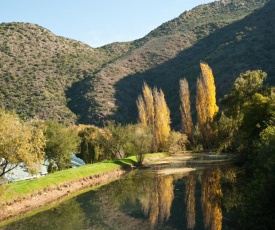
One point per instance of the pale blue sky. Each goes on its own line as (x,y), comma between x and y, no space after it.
(96,22)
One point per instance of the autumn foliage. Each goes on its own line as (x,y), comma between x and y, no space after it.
(154,113)
(20,142)
(206,103)
(185,109)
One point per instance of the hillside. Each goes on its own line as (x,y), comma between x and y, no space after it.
(208,32)
(48,76)
(37,67)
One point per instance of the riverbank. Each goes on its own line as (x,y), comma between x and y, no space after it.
(23,197)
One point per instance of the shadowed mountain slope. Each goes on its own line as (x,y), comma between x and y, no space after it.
(218,33)
(48,76)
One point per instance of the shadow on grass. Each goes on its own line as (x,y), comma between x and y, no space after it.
(124,162)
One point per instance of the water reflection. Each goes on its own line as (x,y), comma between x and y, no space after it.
(211,195)
(154,193)
(190,200)
(157,202)
(143,200)
(67,215)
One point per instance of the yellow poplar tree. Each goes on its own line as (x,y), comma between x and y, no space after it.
(145,106)
(185,109)
(162,120)
(206,102)
(149,104)
(141,111)
(154,113)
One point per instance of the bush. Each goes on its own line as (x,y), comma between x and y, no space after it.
(177,142)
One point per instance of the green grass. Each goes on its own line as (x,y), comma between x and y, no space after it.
(18,190)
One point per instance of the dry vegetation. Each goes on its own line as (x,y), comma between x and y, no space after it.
(53,77)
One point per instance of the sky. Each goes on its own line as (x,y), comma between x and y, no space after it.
(96,22)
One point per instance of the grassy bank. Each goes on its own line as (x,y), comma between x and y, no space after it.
(21,189)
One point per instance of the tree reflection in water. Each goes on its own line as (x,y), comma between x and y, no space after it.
(146,200)
(190,200)
(157,202)
(154,193)
(211,195)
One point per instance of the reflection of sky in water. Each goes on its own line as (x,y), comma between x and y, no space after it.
(141,200)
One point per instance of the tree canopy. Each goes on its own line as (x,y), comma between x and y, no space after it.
(20,142)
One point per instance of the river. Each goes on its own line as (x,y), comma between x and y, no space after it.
(163,196)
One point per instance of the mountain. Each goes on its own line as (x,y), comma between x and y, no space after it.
(54,77)
(212,33)
(37,67)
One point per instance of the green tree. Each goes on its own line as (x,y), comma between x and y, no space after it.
(247,105)
(139,141)
(244,87)
(60,143)
(89,138)
(111,142)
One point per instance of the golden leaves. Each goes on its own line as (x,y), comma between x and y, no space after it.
(21,142)
(185,109)
(154,113)
(162,120)
(206,103)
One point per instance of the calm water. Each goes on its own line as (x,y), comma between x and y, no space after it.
(143,199)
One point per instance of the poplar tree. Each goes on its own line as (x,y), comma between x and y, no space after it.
(185,109)
(154,113)
(145,106)
(162,120)
(141,111)
(206,103)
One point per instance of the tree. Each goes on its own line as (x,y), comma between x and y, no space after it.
(154,113)
(162,120)
(20,143)
(244,87)
(206,103)
(145,105)
(248,106)
(89,138)
(185,109)
(60,143)
(139,142)
(113,140)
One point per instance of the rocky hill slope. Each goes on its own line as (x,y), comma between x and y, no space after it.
(49,76)
(218,33)
(37,67)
